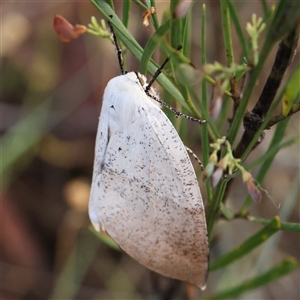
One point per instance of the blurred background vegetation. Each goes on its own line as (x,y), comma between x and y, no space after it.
(50,103)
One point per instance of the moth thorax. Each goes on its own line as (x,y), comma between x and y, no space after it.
(151,93)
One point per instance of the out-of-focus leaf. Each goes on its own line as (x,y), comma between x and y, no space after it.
(285,267)
(187,75)
(248,245)
(105,239)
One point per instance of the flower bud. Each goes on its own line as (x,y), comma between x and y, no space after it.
(208,171)
(213,157)
(223,163)
(246,176)
(253,191)
(216,177)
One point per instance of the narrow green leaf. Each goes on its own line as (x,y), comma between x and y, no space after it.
(177,41)
(204,128)
(285,267)
(176,33)
(203,35)
(105,239)
(126,9)
(186,39)
(227,32)
(214,206)
(110,3)
(265,7)
(151,45)
(213,133)
(247,246)
(204,88)
(236,22)
(177,56)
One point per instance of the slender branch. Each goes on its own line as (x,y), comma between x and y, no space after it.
(236,96)
(278,118)
(284,56)
(253,119)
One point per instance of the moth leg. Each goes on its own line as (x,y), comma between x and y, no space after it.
(195,156)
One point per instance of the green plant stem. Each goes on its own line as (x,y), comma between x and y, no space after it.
(142,5)
(227,32)
(154,17)
(214,205)
(286,226)
(239,30)
(212,131)
(204,129)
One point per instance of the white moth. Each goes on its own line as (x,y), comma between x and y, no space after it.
(145,193)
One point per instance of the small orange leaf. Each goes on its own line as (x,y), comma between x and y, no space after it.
(65,31)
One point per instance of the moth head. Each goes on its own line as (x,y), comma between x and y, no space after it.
(151,92)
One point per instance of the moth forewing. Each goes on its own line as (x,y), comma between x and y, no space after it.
(145,193)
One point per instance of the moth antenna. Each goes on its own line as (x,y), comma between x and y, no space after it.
(175,111)
(158,71)
(118,49)
(195,156)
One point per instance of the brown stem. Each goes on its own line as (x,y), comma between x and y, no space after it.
(255,118)
(236,97)
(278,118)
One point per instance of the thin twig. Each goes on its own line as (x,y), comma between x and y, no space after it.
(254,119)
(278,118)
(236,96)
